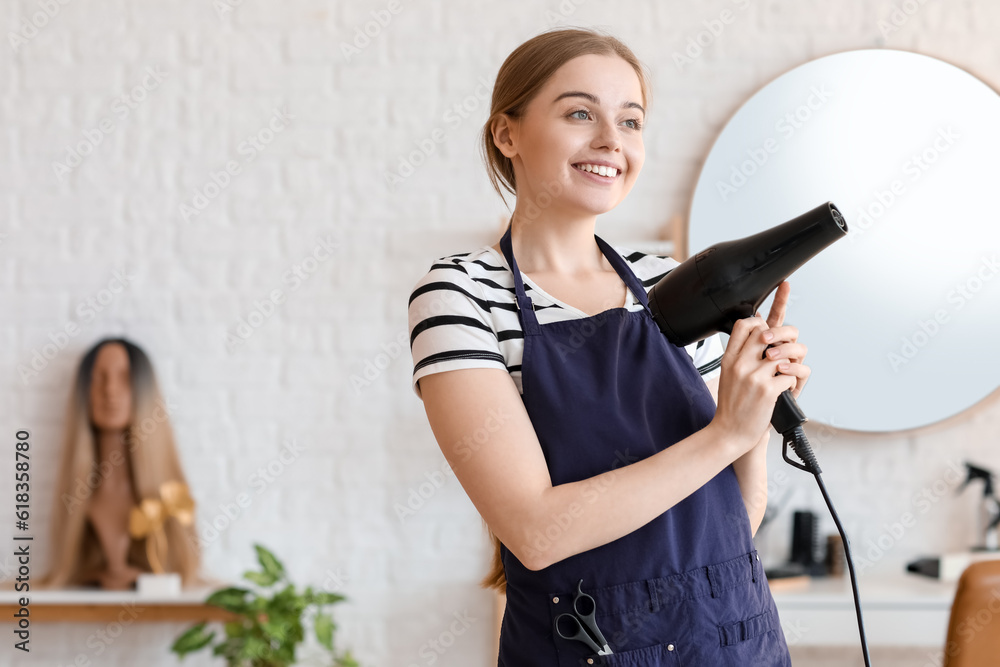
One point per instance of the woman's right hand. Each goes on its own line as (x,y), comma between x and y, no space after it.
(748,386)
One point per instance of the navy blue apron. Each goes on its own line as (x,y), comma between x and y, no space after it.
(685,589)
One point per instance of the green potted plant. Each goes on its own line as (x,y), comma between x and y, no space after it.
(270,625)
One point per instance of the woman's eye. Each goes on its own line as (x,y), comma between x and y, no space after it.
(584,112)
(636,123)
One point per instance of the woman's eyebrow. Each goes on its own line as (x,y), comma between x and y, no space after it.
(593,99)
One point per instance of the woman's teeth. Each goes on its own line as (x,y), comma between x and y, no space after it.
(610,172)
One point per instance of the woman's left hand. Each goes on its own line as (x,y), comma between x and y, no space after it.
(786,346)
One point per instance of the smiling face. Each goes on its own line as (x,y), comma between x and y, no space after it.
(111,388)
(580,137)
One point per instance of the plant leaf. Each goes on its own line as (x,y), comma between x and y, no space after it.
(230,649)
(193,640)
(231,599)
(347,660)
(324,630)
(323,597)
(269,562)
(258,650)
(234,628)
(262,579)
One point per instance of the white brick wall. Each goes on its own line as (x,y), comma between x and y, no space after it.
(332,510)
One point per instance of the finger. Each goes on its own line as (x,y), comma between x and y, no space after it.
(758,342)
(798,387)
(789,351)
(784,335)
(785,367)
(785,379)
(776,317)
(743,331)
(787,333)
(800,372)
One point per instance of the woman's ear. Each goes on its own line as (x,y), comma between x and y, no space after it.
(504,132)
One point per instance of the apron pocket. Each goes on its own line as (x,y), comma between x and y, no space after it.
(734,633)
(638,635)
(658,655)
(756,640)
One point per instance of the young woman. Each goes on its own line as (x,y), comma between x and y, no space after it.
(595,450)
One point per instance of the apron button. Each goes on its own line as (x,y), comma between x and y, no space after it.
(670,647)
(590,661)
(555,600)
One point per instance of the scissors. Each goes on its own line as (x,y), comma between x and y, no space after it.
(580,619)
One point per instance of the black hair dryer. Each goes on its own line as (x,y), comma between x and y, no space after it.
(728,281)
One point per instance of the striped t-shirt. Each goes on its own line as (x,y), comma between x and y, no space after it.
(462,314)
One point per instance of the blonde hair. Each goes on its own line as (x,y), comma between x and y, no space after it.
(151,459)
(521,76)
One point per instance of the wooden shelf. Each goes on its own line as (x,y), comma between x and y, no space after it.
(96,606)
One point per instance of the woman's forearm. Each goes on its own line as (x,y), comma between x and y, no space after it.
(579,516)
(751,471)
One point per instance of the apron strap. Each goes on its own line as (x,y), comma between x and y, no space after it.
(526,307)
(625,273)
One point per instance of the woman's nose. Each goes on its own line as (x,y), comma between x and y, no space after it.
(607,136)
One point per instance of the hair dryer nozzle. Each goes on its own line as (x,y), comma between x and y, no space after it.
(728,281)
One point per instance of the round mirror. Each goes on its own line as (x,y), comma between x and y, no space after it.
(901,316)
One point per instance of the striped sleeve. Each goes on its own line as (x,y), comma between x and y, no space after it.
(450,323)
(707,356)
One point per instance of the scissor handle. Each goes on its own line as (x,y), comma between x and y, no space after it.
(591,606)
(588,617)
(579,634)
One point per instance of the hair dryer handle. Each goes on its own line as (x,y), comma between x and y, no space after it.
(787,420)
(787,413)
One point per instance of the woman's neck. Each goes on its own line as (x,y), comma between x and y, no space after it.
(548,242)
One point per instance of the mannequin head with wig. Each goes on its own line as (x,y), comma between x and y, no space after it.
(117,435)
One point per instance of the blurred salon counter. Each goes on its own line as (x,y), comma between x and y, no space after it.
(899,610)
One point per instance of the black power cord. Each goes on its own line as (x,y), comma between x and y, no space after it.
(795,437)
